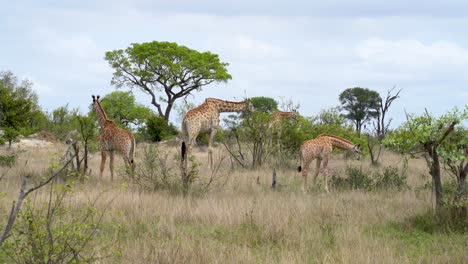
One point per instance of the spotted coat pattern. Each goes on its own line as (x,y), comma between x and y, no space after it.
(113,139)
(205,118)
(320,149)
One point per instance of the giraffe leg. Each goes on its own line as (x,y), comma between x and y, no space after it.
(317,169)
(103,162)
(325,173)
(111,164)
(305,171)
(210,148)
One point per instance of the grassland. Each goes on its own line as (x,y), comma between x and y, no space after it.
(246,222)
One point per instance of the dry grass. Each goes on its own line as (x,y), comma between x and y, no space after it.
(248,223)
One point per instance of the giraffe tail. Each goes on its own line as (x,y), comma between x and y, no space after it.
(299,168)
(132,153)
(183,150)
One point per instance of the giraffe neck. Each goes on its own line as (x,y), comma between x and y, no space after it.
(283,115)
(278,116)
(101,114)
(227,106)
(339,142)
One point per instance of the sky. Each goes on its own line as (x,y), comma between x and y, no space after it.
(304,51)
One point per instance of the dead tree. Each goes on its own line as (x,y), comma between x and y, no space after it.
(381,126)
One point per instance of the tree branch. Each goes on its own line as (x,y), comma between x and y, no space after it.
(23,194)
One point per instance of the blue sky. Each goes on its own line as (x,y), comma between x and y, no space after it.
(306,51)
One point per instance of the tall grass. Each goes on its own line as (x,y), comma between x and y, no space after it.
(246,222)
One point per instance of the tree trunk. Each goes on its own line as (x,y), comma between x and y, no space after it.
(435,173)
(167,113)
(85,165)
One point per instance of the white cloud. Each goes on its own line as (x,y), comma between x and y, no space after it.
(413,56)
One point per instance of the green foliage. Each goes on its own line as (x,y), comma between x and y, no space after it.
(63,121)
(359,179)
(7,160)
(165,71)
(264,104)
(331,117)
(295,133)
(153,172)
(158,129)
(419,131)
(421,237)
(18,106)
(361,104)
(250,129)
(56,231)
(122,108)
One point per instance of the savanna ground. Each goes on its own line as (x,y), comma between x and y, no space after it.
(240,221)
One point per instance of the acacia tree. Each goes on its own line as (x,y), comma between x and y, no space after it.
(165,71)
(429,135)
(361,105)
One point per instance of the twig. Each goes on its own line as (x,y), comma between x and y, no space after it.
(23,194)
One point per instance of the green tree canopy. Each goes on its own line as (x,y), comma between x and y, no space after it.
(361,104)
(18,105)
(264,104)
(165,71)
(122,108)
(440,140)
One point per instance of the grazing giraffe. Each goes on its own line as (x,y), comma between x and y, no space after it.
(320,149)
(274,125)
(205,118)
(112,138)
(278,116)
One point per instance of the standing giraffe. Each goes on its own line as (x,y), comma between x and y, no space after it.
(320,149)
(112,138)
(205,118)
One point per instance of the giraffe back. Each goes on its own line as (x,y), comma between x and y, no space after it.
(114,138)
(202,118)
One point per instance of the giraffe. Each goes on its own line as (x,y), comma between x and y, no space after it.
(278,116)
(205,118)
(112,138)
(274,125)
(320,149)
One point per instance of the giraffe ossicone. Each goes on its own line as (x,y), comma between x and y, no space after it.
(112,138)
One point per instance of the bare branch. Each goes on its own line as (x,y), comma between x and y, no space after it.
(23,194)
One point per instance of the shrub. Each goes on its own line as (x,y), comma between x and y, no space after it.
(390,179)
(158,129)
(356,178)
(153,171)
(7,160)
(56,231)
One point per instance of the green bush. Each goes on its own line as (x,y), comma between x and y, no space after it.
(7,160)
(390,179)
(356,178)
(153,171)
(58,231)
(158,129)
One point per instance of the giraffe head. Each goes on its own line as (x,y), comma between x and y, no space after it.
(294,115)
(249,107)
(356,150)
